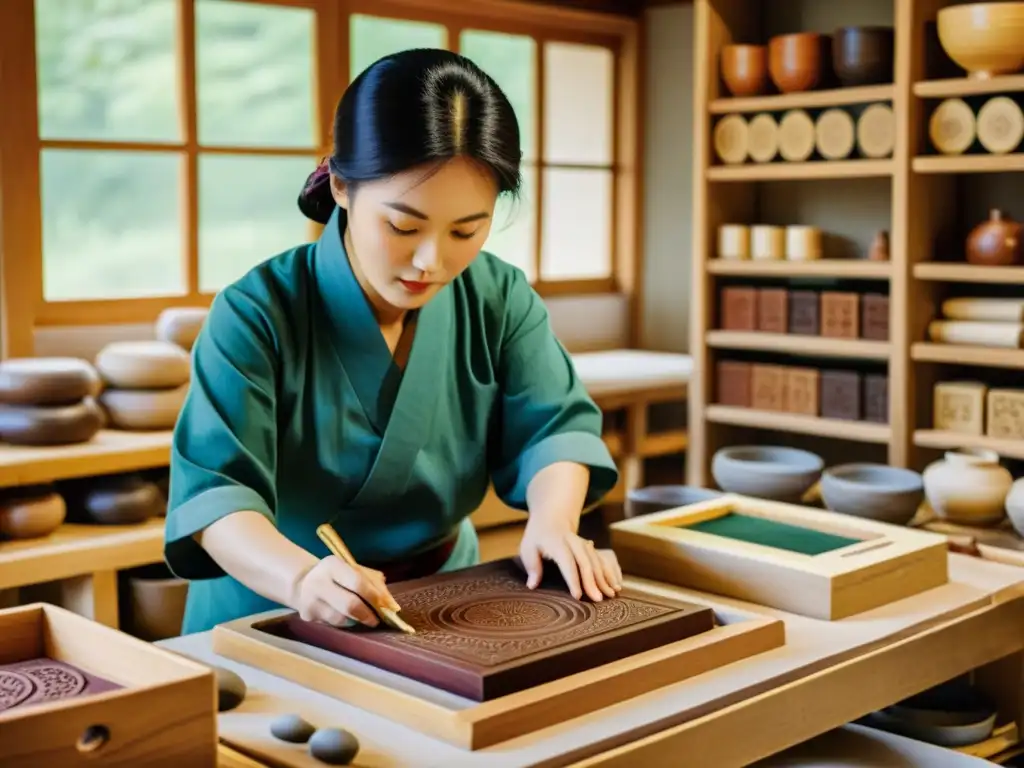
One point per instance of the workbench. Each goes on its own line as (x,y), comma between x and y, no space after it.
(828,674)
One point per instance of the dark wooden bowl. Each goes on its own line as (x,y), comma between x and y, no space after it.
(795,61)
(863,55)
(744,69)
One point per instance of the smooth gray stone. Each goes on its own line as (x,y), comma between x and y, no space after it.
(334,746)
(291,728)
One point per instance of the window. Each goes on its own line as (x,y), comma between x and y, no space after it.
(170,139)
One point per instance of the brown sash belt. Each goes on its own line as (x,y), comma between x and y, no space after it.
(424,563)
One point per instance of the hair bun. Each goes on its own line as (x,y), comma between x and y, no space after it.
(315,200)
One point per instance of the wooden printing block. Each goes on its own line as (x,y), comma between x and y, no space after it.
(733,382)
(840,315)
(874,316)
(1006,414)
(876,398)
(801,392)
(739,309)
(959,406)
(841,395)
(482,633)
(773,310)
(804,313)
(768,385)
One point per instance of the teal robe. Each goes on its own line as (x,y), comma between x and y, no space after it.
(297,411)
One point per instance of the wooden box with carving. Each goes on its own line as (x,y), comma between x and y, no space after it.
(1006,414)
(786,556)
(840,314)
(75,693)
(874,316)
(802,386)
(773,310)
(959,406)
(734,383)
(768,387)
(492,659)
(739,308)
(876,398)
(841,395)
(804,313)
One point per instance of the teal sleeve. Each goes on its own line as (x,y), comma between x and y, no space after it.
(224,450)
(546,414)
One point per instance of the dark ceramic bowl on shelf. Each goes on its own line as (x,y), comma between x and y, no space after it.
(863,55)
(771,472)
(796,63)
(744,69)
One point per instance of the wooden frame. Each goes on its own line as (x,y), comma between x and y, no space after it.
(22,304)
(471,726)
(887,563)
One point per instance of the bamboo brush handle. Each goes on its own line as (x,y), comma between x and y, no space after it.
(330,537)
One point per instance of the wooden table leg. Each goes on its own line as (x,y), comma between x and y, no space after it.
(93,596)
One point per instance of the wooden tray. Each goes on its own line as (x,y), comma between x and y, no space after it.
(821,564)
(482,633)
(133,704)
(473,725)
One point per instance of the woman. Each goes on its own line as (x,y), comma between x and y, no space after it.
(380,378)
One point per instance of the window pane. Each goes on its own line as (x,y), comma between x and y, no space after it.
(111,225)
(247,213)
(510,60)
(107,71)
(254,74)
(373,37)
(577,224)
(513,233)
(578,83)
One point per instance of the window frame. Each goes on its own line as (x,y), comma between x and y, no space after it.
(23,308)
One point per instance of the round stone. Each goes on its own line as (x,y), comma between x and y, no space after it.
(291,728)
(334,746)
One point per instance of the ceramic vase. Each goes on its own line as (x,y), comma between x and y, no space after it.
(1015,506)
(968,487)
(995,242)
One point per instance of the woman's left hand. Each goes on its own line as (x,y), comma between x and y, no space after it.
(586,569)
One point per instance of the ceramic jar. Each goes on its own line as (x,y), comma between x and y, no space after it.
(996,242)
(968,487)
(745,69)
(1015,506)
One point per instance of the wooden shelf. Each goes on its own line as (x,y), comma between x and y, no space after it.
(967,273)
(109,452)
(838,169)
(778,103)
(964,86)
(854,269)
(861,349)
(970,164)
(961,354)
(859,431)
(943,440)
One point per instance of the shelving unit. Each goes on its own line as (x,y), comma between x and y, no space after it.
(934,201)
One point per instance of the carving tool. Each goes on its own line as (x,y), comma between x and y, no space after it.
(337,548)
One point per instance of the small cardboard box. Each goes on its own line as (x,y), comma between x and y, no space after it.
(162,710)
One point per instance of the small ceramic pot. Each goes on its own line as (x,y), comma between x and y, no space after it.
(745,69)
(873,491)
(658,498)
(863,55)
(795,61)
(1015,506)
(968,487)
(31,512)
(767,242)
(734,242)
(803,243)
(766,471)
(157,602)
(995,242)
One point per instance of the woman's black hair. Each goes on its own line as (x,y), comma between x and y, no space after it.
(411,108)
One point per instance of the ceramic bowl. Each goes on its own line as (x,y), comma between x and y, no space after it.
(658,498)
(31,513)
(795,61)
(985,39)
(873,491)
(766,471)
(863,55)
(745,69)
(953,714)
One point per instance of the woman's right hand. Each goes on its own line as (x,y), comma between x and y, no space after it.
(330,592)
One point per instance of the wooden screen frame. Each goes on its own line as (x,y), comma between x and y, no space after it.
(22,306)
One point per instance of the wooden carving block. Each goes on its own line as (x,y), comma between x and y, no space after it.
(959,406)
(1006,414)
(804,313)
(874,316)
(773,310)
(840,315)
(786,556)
(739,309)
(481,633)
(768,384)
(841,395)
(876,398)
(801,391)
(733,380)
